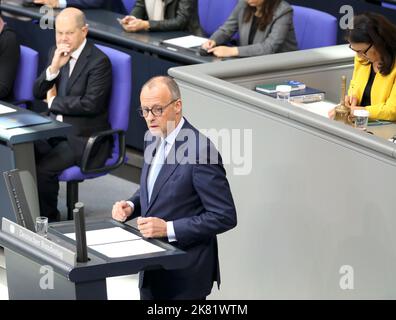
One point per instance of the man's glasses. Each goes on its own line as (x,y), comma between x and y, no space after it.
(363,52)
(155,110)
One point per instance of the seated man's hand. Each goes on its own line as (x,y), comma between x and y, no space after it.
(49,3)
(51,93)
(121,211)
(152,227)
(224,51)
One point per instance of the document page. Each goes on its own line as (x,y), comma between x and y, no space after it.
(186,42)
(4,109)
(117,242)
(126,248)
(104,236)
(321,107)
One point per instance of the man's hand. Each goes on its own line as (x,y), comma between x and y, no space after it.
(134,25)
(51,93)
(121,211)
(49,3)
(61,57)
(224,51)
(152,227)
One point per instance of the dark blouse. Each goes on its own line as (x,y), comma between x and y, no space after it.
(366,99)
(253,30)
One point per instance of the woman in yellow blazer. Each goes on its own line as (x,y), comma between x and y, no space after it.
(373,84)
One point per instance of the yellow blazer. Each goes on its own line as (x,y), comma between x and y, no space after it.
(383,91)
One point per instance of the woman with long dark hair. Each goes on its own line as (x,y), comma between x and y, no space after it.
(373,85)
(264,26)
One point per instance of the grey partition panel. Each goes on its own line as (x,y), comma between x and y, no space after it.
(315,213)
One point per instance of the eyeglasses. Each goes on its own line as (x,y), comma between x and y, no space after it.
(155,110)
(363,52)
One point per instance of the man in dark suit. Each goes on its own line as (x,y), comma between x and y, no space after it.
(77,87)
(9,59)
(113,5)
(184,196)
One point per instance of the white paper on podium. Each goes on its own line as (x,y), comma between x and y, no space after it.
(4,109)
(187,41)
(321,108)
(126,248)
(105,236)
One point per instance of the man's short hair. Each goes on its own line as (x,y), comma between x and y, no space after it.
(169,82)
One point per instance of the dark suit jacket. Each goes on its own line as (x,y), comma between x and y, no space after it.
(85,105)
(179,15)
(113,5)
(197,198)
(9,59)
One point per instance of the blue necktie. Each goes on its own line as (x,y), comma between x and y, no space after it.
(155,168)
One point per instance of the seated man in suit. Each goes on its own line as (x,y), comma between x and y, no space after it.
(113,5)
(9,59)
(163,15)
(77,86)
(184,196)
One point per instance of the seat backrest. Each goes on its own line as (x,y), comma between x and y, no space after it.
(389,5)
(120,100)
(26,74)
(128,4)
(314,28)
(213,13)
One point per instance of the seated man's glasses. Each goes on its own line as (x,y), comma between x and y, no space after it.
(155,110)
(362,52)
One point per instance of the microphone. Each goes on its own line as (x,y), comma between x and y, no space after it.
(81,240)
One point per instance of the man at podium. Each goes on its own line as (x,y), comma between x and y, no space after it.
(184,196)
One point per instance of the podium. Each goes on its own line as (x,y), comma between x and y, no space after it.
(39,268)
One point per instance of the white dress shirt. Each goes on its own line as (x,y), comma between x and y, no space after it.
(170,141)
(72,62)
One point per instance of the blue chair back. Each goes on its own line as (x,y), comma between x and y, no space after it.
(389,5)
(128,4)
(314,28)
(26,74)
(213,13)
(119,107)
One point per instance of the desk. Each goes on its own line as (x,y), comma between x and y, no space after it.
(149,56)
(25,257)
(17,151)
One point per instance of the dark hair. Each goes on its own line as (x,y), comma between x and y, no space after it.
(375,29)
(267,13)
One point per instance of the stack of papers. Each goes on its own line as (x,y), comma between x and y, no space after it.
(4,109)
(321,108)
(186,42)
(117,242)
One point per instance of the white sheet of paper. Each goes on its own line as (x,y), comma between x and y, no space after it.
(187,41)
(126,248)
(321,107)
(4,109)
(104,236)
